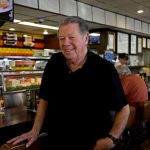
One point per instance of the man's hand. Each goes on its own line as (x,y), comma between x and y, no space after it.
(30,136)
(104,144)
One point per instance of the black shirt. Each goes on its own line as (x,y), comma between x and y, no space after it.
(79,102)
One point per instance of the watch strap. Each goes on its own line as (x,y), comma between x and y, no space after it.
(115,140)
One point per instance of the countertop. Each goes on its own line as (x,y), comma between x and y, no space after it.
(14,122)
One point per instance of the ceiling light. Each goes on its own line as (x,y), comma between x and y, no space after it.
(140,11)
(16,21)
(11,29)
(45,32)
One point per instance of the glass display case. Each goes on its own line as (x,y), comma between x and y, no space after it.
(20,80)
(21,73)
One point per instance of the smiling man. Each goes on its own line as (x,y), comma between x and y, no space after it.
(79,89)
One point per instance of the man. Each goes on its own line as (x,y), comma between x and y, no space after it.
(79,88)
(134,86)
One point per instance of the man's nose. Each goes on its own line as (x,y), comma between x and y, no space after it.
(66,41)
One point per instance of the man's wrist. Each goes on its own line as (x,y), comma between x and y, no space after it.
(114,139)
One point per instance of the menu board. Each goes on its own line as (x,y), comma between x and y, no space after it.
(15,39)
(122,42)
(139,45)
(148,43)
(111,42)
(10,39)
(133,44)
(144,42)
(28,40)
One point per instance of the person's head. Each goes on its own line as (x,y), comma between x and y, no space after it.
(123,70)
(123,58)
(73,37)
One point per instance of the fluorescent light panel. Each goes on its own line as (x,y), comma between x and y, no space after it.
(35,24)
(95,34)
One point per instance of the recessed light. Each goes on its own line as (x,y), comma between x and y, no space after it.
(11,29)
(45,32)
(140,11)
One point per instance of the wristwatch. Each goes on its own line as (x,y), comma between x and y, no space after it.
(115,140)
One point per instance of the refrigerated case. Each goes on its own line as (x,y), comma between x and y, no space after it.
(14,81)
(20,79)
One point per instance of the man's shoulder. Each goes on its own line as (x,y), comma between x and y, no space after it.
(57,57)
(99,61)
(96,58)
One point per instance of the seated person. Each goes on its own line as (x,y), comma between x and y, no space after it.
(122,59)
(134,86)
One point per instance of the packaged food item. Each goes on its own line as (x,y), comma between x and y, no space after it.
(2,106)
(1,102)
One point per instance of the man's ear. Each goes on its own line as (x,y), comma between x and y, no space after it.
(86,37)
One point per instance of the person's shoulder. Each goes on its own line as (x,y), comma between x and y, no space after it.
(132,77)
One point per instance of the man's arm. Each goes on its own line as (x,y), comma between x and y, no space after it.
(118,127)
(40,116)
(33,134)
(120,122)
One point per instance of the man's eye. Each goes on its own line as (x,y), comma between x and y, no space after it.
(61,38)
(72,37)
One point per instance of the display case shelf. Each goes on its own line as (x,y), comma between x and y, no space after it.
(23,80)
(25,58)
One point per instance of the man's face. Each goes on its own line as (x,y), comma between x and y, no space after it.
(72,44)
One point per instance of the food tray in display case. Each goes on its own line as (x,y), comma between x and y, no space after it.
(21,80)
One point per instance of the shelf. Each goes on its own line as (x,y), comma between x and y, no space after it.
(25,57)
(13,92)
(21,89)
(22,71)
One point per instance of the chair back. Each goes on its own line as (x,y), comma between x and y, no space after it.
(131,117)
(147,110)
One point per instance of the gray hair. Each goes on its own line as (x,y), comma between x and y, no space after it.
(123,69)
(75,19)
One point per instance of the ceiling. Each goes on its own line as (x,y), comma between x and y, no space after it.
(124,7)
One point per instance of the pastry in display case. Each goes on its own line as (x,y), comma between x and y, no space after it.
(15,81)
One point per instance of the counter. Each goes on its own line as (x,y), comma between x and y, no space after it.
(15,121)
